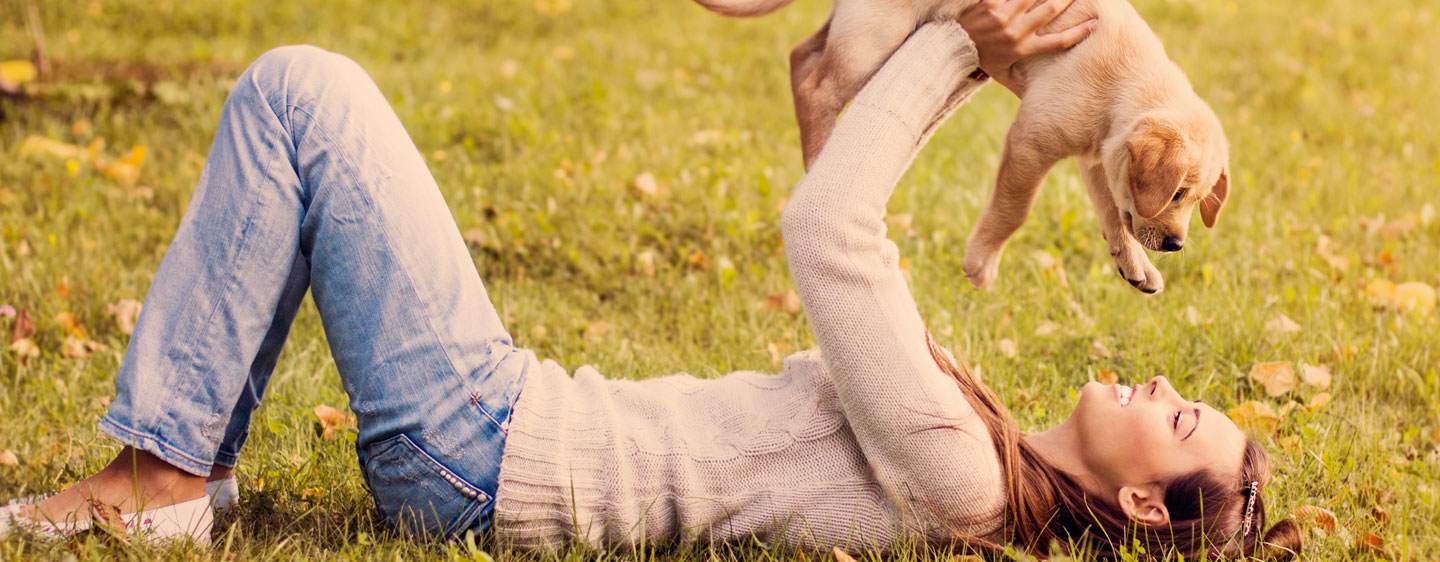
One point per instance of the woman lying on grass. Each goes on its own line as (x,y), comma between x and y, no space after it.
(876,438)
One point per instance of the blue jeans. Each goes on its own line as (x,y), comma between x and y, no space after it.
(313,183)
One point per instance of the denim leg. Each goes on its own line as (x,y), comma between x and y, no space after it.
(311,167)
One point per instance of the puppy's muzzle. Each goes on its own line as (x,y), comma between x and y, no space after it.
(1172,244)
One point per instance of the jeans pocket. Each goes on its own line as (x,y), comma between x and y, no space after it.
(416,493)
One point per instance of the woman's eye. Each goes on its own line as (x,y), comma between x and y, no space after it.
(1180,194)
(1175,423)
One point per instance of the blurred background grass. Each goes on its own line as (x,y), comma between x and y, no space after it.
(545,121)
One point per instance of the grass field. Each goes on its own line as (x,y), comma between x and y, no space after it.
(538,116)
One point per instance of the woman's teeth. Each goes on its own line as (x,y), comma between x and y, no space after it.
(1125,393)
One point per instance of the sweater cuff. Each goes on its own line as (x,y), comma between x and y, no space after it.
(926,78)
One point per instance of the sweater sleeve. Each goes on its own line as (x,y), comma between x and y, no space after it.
(928,449)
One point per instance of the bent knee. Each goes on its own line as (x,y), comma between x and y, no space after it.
(294,69)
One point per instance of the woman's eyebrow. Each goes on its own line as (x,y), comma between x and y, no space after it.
(1197,425)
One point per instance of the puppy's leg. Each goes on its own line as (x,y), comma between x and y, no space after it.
(1129,255)
(854,49)
(805,56)
(1022,168)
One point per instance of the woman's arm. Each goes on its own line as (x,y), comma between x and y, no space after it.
(926,445)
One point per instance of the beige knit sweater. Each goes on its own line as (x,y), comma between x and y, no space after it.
(859,443)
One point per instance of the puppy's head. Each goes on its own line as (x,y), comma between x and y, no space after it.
(1161,165)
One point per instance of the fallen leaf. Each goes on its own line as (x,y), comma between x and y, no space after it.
(1317,376)
(1380,514)
(17,71)
(24,326)
(70,324)
(25,348)
(8,458)
(76,347)
(1099,351)
(698,259)
(1318,517)
(1281,324)
(1255,416)
(1106,376)
(332,422)
(62,291)
(1370,543)
(125,312)
(840,555)
(1007,347)
(645,183)
(786,301)
(1415,296)
(1277,376)
(1318,401)
(312,493)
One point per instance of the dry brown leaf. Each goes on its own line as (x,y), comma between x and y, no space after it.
(1007,347)
(1380,515)
(785,301)
(8,458)
(698,259)
(70,324)
(25,349)
(1318,401)
(1370,543)
(1319,517)
(840,555)
(333,422)
(125,311)
(1317,376)
(1255,416)
(24,326)
(1277,376)
(1099,351)
(1281,324)
(1106,376)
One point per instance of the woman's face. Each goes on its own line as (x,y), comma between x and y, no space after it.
(1148,433)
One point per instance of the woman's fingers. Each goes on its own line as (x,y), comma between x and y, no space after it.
(1060,40)
(1008,9)
(1040,16)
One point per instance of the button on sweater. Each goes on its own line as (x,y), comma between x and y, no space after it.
(858,443)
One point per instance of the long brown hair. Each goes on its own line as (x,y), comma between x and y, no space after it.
(1046,506)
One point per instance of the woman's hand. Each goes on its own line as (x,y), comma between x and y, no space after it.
(1004,31)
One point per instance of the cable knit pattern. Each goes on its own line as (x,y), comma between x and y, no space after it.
(858,443)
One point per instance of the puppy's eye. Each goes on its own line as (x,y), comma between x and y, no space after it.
(1180,194)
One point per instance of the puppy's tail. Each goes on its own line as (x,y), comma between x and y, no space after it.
(743,8)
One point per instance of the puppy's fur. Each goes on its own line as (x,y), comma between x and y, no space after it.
(1149,149)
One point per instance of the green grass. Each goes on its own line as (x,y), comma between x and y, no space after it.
(1329,106)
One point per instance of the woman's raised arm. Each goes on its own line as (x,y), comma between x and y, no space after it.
(919,434)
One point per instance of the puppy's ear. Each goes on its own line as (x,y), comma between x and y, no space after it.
(1157,165)
(1210,205)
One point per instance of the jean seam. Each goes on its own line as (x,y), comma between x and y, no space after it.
(109,422)
(386,235)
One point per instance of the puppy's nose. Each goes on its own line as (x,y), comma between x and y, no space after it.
(1172,244)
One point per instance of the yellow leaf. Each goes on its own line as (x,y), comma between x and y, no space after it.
(70,324)
(645,183)
(1317,376)
(78,347)
(1255,416)
(1370,543)
(698,258)
(1318,401)
(1309,515)
(17,71)
(312,493)
(25,347)
(1106,376)
(1277,376)
(840,555)
(1415,296)
(8,458)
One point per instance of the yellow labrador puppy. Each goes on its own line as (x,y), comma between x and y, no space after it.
(1149,149)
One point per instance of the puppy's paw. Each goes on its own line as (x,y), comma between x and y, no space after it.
(1132,264)
(982,268)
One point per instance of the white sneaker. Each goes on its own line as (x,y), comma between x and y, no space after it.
(224,493)
(192,519)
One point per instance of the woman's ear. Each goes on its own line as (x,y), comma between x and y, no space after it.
(1144,505)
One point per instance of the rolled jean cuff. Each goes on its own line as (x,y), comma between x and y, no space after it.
(226,460)
(155,445)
